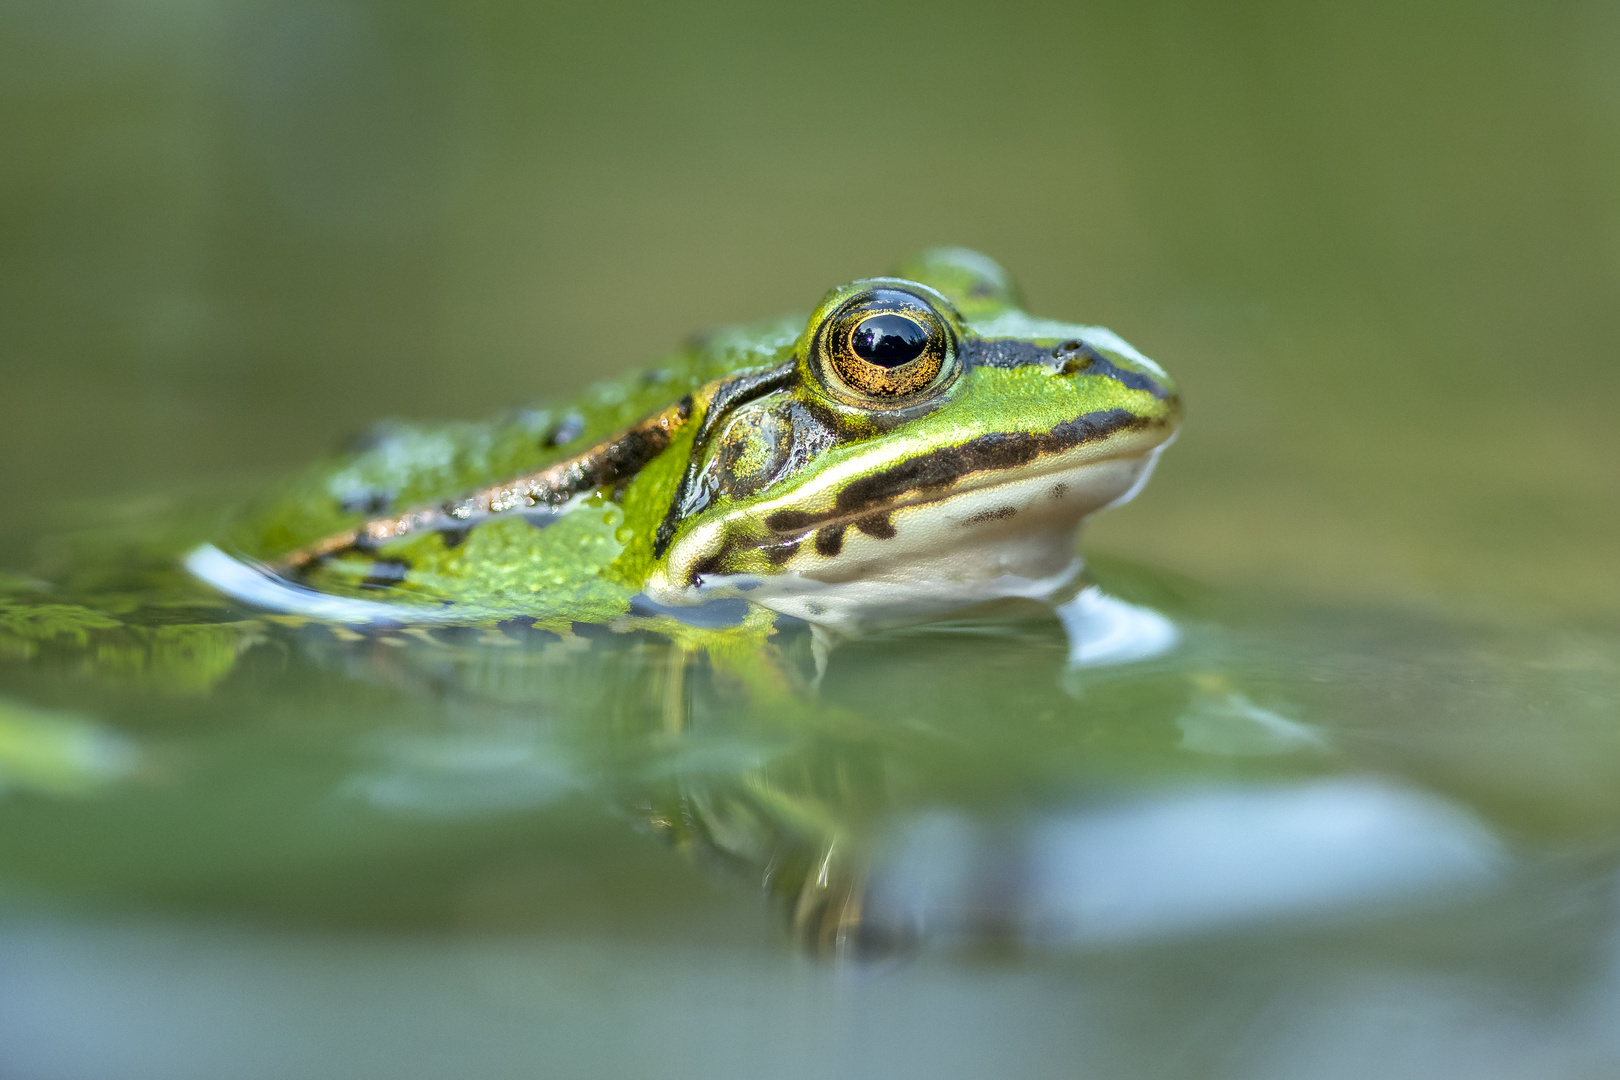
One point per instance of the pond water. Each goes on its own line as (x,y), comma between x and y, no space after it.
(1363,818)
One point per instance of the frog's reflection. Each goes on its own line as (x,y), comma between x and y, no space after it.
(827,808)
(759,787)
(800,829)
(1131,869)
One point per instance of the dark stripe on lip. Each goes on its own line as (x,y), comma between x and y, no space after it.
(1074,356)
(939,469)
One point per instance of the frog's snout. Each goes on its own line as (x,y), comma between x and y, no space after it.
(1071,358)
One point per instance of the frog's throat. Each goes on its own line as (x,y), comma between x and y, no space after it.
(1003,504)
(607,463)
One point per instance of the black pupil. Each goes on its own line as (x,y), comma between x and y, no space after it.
(889,340)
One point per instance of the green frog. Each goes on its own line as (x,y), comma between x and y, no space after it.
(637,568)
(919,445)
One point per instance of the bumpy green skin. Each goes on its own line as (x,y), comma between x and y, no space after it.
(585,567)
(588,566)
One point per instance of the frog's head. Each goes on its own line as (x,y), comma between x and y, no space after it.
(928,445)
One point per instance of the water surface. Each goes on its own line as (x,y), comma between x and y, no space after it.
(1361,820)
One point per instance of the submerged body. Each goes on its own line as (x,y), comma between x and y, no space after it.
(919,444)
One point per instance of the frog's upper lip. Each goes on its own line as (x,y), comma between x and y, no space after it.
(983,461)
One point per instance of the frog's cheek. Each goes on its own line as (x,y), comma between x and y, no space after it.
(1014,538)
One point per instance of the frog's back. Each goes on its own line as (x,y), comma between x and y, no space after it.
(395,463)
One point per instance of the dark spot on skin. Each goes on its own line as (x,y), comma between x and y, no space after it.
(1059,490)
(815,608)
(877,526)
(567,430)
(453,537)
(830,540)
(374,501)
(1000,513)
(386,573)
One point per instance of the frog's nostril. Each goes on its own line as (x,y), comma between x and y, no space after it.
(1071,356)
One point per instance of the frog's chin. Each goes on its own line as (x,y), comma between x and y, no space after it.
(1015,539)
(851,608)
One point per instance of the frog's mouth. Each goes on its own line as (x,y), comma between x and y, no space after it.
(998,507)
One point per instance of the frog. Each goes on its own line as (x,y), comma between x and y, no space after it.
(919,445)
(676,540)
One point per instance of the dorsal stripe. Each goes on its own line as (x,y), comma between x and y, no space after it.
(608,462)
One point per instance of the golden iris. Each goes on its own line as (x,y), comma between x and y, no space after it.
(886,343)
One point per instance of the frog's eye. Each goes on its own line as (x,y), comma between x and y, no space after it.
(887,343)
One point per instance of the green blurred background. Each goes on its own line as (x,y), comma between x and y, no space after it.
(1379,244)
